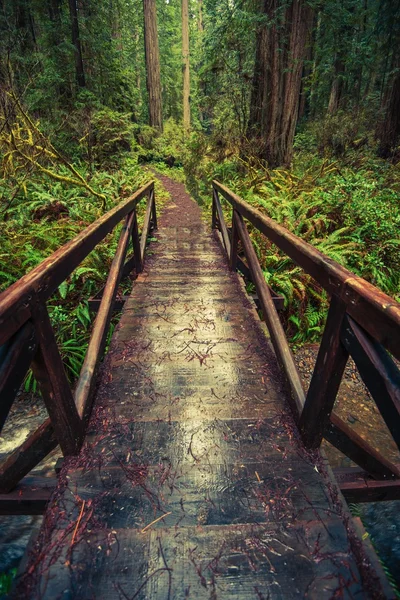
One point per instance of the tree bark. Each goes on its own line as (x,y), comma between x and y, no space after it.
(280,51)
(79,70)
(185,65)
(388,130)
(152,64)
(337,87)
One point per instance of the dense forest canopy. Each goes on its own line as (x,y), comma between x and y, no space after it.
(295,104)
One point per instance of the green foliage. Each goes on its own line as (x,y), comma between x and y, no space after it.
(109,134)
(6,580)
(346,208)
(49,215)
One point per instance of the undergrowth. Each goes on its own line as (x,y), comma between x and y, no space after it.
(346,206)
(42,207)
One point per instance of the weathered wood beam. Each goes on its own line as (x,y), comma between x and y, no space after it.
(30,497)
(47,276)
(87,378)
(378,371)
(278,337)
(375,311)
(15,357)
(371,491)
(24,458)
(325,382)
(350,443)
(222,224)
(49,372)
(146,226)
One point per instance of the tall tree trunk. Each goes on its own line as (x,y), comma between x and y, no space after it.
(280,52)
(258,98)
(79,71)
(305,92)
(337,87)
(185,59)
(152,64)
(388,130)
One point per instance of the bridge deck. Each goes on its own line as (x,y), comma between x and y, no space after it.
(192,482)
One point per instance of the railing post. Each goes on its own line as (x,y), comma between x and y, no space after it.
(328,372)
(136,245)
(214,210)
(154,210)
(146,226)
(271,317)
(234,244)
(49,372)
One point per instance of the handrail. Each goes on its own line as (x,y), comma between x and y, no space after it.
(44,279)
(375,311)
(27,338)
(362,322)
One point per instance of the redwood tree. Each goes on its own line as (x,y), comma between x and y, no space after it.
(388,127)
(80,73)
(281,45)
(185,60)
(152,64)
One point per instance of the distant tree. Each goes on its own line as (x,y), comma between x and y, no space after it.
(79,70)
(388,128)
(152,64)
(185,59)
(281,43)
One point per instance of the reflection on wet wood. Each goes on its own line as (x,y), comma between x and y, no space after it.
(193,481)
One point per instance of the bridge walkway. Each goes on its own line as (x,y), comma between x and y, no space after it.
(192,481)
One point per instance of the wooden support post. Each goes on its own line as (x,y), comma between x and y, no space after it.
(24,458)
(345,439)
(378,371)
(136,245)
(87,378)
(154,209)
(222,225)
(328,372)
(272,320)
(146,227)
(49,372)
(234,245)
(15,356)
(214,210)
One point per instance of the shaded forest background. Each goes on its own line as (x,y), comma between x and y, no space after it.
(293,104)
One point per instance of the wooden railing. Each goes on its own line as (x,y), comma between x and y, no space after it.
(362,322)
(27,338)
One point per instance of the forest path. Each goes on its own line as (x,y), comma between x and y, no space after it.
(192,482)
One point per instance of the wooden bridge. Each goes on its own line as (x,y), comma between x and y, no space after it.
(193,468)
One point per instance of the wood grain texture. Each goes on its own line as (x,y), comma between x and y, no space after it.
(193,481)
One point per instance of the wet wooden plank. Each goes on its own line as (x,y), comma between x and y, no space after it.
(193,481)
(30,497)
